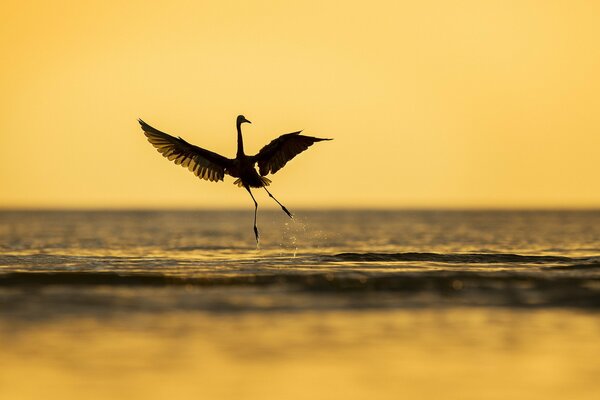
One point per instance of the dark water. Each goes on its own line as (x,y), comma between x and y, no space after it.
(504,301)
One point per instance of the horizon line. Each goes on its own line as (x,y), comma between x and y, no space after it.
(322,208)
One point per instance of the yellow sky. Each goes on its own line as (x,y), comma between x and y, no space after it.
(431,103)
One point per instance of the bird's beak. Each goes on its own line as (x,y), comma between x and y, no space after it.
(248,122)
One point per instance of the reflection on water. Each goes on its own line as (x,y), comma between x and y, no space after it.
(452,353)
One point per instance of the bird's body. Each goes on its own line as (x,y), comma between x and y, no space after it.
(243,169)
(212,166)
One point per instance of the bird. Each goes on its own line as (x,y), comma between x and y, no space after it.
(213,167)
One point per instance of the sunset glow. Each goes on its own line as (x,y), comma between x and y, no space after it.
(431,104)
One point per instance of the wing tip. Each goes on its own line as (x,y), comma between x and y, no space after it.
(143,124)
(148,130)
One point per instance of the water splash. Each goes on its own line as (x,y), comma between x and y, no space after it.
(294,232)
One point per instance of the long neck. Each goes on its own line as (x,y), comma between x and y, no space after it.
(240,149)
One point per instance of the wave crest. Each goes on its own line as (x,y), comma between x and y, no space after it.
(468,258)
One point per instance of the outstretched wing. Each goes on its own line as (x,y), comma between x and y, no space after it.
(203,163)
(276,154)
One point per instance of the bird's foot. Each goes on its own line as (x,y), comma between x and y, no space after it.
(287,212)
(256,234)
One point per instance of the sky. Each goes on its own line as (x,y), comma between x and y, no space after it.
(431,104)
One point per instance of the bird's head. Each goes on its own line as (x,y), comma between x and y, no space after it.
(241,119)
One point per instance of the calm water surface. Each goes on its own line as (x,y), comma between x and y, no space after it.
(335,304)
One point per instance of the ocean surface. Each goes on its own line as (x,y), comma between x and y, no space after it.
(332,304)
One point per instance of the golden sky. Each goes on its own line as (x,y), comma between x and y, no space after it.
(431,103)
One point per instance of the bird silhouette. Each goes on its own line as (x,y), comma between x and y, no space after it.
(212,167)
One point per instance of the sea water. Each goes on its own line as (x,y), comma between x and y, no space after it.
(333,304)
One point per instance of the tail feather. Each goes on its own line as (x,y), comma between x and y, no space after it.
(264,181)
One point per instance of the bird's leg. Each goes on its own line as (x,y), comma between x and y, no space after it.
(255,210)
(277,201)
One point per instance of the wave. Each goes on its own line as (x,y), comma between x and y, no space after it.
(315,280)
(474,258)
(575,267)
(426,288)
(152,264)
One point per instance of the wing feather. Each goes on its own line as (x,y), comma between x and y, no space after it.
(276,154)
(203,163)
